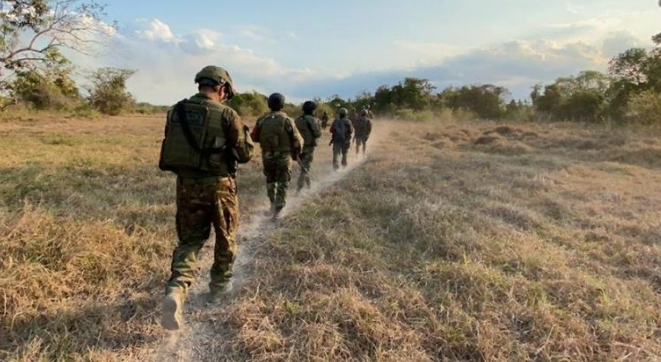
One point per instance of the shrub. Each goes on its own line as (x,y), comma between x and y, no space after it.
(645,108)
(108,92)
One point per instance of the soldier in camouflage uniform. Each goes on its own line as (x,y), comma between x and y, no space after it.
(324,121)
(280,142)
(363,128)
(207,192)
(308,126)
(341,129)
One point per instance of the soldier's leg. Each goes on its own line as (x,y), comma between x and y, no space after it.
(337,149)
(357,146)
(345,151)
(193,229)
(308,166)
(364,146)
(225,221)
(271,184)
(305,163)
(283,176)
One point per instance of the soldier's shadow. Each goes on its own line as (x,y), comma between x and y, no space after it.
(67,334)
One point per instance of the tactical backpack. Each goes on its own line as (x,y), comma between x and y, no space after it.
(340,131)
(183,146)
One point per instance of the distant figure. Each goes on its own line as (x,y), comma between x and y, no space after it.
(308,127)
(342,130)
(204,141)
(324,120)
(280,142)
(370,115)
(363,128)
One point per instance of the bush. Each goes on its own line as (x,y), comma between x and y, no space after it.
(249,104)
(645,108)
(108,92)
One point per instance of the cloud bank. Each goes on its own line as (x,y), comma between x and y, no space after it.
(167,61)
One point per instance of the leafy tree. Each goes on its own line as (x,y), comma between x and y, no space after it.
(108,92)
(583,97)
(487,101)
(249,104)
(32,32)
(48,87)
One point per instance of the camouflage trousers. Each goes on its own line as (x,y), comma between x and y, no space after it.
(361,141)
(307,156)
(277,169)
(201,204)
(340,150)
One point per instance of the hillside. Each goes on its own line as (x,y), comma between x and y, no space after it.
(465,241)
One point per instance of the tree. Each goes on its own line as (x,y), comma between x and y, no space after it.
(249,104)
(583,97)
(48,88)
(32,31)
(486,100)
(108,91)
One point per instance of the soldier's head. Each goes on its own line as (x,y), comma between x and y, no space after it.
(276,102)
(343,112)
(215,82)
(363,113)
(309,107)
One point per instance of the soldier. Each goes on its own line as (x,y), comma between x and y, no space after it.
(204,140)
(280,142)
(308,126)
(363,128)
(324,120)
(341,129)
(370,115)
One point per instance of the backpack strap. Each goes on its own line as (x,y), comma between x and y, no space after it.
(185,127)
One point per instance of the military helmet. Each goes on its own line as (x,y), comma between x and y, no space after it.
(276,101)
(309,106)
(343,112)
(216,75)
(363,113)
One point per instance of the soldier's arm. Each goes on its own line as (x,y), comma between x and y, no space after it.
(256,131)
(314,126)
(297,139)
(234,128)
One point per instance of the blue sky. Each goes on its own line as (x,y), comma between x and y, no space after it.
(319,48)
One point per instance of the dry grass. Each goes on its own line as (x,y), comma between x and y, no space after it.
(453,242)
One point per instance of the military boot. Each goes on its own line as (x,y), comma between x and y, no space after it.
(271,211)
(276,213)
(173,305)
(216,292)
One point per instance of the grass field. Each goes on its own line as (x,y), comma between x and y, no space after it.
(466,241)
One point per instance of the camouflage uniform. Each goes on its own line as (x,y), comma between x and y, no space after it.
(280,142)
(324,121)
(308,126)
(363,128)
(208,198)
(341,140)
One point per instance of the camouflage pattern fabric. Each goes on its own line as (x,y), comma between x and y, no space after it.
(361,142)
(277,169)
(340,149)
(201,204)
(305,161)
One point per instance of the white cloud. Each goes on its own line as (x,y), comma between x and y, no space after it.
(292,35)
(155,30)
